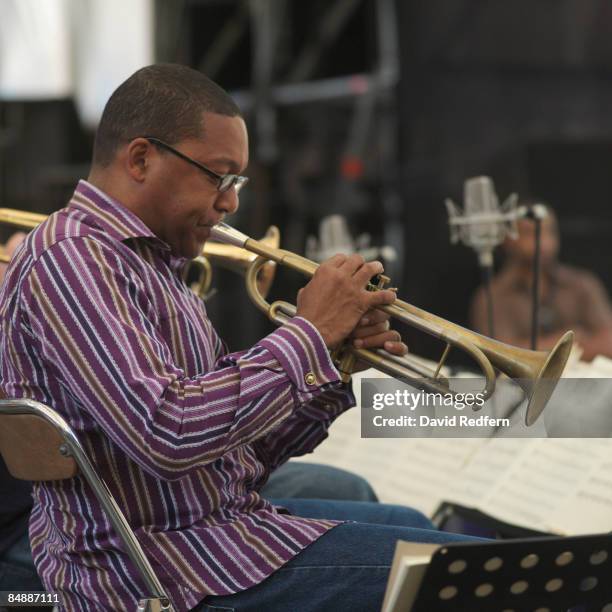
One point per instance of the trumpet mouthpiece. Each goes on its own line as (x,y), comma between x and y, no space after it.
(222,232)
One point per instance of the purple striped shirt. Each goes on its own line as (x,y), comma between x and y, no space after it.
(98,323)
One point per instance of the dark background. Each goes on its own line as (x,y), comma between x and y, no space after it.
(520,91)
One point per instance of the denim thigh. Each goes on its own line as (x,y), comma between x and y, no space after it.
(346,569)
(17,571)
(316,481)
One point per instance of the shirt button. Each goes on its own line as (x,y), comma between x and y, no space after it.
(310,378)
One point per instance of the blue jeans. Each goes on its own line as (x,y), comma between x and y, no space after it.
(316,481)
(17,571)
(344,570)
(293,479)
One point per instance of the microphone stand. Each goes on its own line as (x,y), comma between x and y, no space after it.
(535,303)
(487,275)
(536,213)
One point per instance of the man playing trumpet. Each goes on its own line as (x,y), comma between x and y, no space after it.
(98,323)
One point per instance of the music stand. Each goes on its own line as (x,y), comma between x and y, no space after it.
(551,574)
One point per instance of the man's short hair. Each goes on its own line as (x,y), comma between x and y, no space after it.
(165,101)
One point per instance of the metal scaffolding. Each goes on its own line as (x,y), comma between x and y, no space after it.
(370,97)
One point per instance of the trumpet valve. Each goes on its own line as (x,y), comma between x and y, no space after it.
(344,360)
(383,281)
(380,281)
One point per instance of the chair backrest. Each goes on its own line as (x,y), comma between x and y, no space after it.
(32,449)
(38,444)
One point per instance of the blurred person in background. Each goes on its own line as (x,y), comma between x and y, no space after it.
(8,249)
(570,298)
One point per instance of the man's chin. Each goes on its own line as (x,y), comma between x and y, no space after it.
(189,251)
(197,249)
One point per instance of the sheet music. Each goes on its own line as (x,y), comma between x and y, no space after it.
(539,483)
(486,467)
(589,508)
(561,485)
(600,367)
(580,407)
(414,471)
(542,478)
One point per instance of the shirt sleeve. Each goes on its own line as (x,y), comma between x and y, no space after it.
(95,329)
(307,427)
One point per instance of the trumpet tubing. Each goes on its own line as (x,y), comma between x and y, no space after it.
(536,371)
(226,256)
(21,218)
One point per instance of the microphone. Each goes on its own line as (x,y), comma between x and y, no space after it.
(483,224)
(335,237)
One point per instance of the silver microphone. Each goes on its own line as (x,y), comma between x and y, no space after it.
(335,237)
(483,224)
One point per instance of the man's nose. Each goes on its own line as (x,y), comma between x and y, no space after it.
(227,201)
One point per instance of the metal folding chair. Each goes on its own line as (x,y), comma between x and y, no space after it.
(37,444)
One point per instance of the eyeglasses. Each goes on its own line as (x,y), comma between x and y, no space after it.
(224,181)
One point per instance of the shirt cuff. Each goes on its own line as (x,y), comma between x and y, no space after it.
(330,404)
(299,348)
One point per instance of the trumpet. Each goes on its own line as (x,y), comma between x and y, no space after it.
(537,372)
(237,260)
(223,255)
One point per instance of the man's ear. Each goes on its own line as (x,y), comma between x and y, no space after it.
(138,158)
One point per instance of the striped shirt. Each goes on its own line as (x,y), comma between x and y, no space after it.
(97,322)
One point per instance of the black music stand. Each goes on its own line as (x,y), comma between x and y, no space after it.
(551,574)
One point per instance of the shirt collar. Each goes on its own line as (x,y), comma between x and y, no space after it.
(106,213)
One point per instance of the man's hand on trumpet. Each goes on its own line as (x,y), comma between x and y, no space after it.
(373,331)
(337,303)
